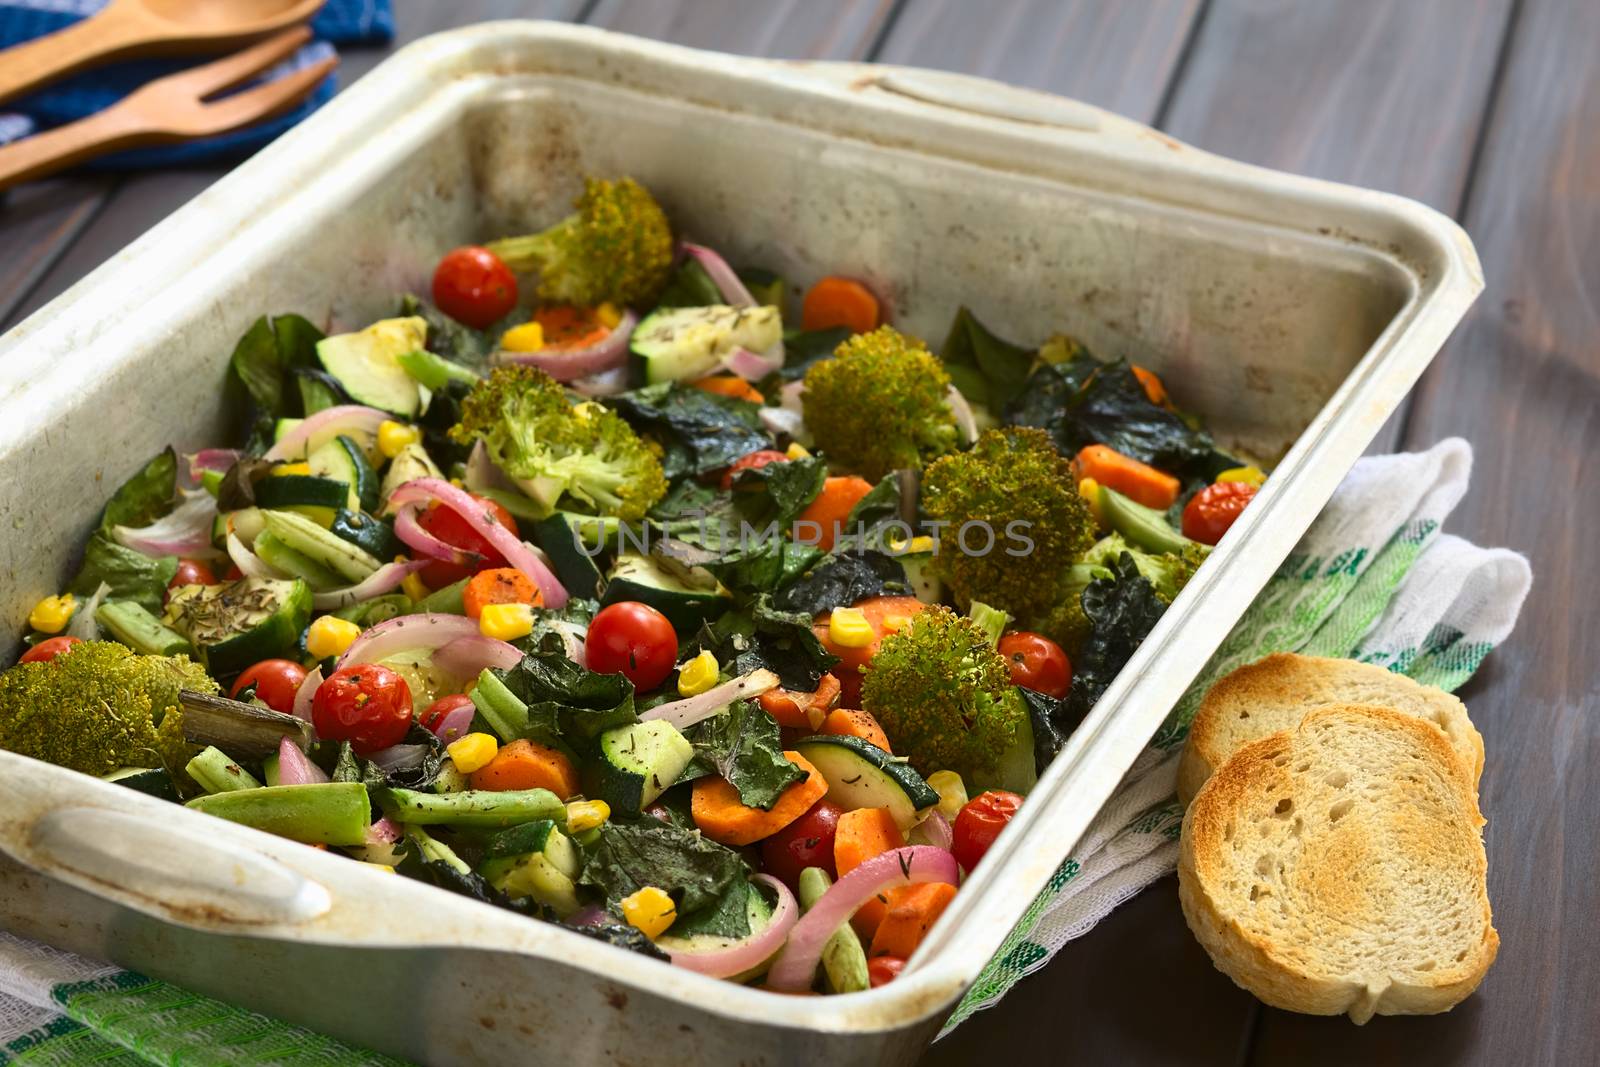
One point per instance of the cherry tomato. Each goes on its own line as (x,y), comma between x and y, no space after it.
(192,572)
(753,461)
(233,573)
(276,681)
(806,842)
(1212,510)
(474,287)
(366,705)
(634,640)
(442,707)
(881,970)
(979,823)
(449,527)
(1037,663)
(48,649)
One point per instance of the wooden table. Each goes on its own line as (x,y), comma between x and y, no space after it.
(1486,109)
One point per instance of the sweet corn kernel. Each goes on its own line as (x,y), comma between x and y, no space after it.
(586,815)
(290,468)
(394,437)
(895,623)
(952,792)
(916,546)
(384,867)
(608,315)
(796,450)
(472,752)
(507,622)
(330,636)
(698,675)
(849,628)
(1089,489)
(1248,475)
(529,337)
(649,911)
(51,615)
(411,585)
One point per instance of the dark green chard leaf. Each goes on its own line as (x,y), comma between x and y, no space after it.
(729,917)
(318,390)
(689,286)
(444,411)
(450,339)
(1121,610)
(880,506)
(623,936)
(1109,407)
(131,575)
(765,566)
(695,871)
(568,703)
(803,348)
(267,354)
(842,580)
(987,370)
(347,768)
(238,487)
(146,496)
(778,492)
(699,432)
(743,746)
(758,636)
(1052,725)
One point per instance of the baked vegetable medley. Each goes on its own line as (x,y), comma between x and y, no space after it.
(601,589)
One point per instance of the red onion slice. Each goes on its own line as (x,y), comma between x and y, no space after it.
(408,633)
(409,530)
(588,915)
(220,460)
(455,725)
(965,420)
(934,830)
(796,968)
(399,758)
(516,553)
(83,625)
(725,278)
(384,831)
(386,579)
(306,694)
(482,475)
(685,713)
(754,366)
(570,364)
(606,383)
(753,950)
(250,565)
(317,430)
(183,531)
(466,657)
(295,768)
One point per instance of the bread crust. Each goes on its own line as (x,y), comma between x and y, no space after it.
(1348,930)
(1271,694)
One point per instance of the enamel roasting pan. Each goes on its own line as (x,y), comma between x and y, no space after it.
(1294,314)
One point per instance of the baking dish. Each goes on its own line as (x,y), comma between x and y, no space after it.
(1293,314)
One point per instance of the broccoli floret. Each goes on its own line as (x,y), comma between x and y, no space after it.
(1012,476)
(616,246)
(100,706)
(944,694)
(880,403)
(551,447)
(1168,572)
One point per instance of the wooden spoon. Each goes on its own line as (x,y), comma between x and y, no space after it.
(130,29)
(172,109)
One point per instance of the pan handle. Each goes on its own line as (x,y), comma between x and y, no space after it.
(169,868)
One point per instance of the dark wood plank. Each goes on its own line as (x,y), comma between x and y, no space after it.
(44,228)
(786,29)
(1522,380)
(1136,990)
(1118,56)
(1389,94)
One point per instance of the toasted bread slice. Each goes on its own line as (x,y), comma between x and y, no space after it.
(1272,694)
(1338,867)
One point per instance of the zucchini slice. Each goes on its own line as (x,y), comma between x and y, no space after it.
(640,762)
(366,363)
(687,597)
(862,775)
(242,622)
(679,344)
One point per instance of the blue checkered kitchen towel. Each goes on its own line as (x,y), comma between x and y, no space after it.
(339,22)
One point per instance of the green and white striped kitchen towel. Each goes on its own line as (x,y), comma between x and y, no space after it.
(1373,579)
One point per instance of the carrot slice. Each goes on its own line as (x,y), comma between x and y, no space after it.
(526,765)
(566,326)
(836,301)
(802,711)
(849,722)
(499,585)
(1137,481)
(860,835)
(912,910)
(1153,389)
(731,385)
(722,816)
(882,612)
(828,512)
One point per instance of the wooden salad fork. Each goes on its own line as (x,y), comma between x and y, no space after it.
(172,109)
